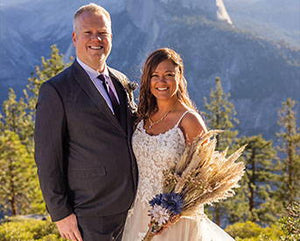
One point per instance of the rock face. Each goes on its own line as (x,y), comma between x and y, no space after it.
(222,12)
(259,74)
(143,13)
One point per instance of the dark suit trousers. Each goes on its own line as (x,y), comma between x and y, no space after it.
(104,228)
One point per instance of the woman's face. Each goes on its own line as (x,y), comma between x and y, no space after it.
(165,80)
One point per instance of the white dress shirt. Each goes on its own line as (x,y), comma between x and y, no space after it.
(93,74)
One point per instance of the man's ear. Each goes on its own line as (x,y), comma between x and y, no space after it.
(74,38)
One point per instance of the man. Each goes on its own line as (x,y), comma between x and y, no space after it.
(84,121)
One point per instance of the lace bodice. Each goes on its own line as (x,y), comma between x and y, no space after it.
(155,153)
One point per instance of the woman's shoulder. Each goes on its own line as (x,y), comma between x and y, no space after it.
(192,124)
(192,119)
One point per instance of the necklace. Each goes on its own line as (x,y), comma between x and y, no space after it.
(152,123)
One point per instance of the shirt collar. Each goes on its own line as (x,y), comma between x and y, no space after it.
(90,71)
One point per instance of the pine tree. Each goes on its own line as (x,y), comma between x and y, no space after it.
(15,117)
(220,115)
(18,117)
(289,149)
(17,123)
(48,69)
(15,174)
(256,199)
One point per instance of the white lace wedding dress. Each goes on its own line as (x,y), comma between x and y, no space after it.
(155,153)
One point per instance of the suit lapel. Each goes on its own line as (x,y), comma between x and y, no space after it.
(125,111)
(89,88)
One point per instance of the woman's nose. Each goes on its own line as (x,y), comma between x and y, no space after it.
(162,79)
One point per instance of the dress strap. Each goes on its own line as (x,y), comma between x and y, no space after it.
(182,117)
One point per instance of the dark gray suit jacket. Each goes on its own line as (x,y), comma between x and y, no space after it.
(83,153)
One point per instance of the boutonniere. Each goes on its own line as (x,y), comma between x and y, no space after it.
(130,87)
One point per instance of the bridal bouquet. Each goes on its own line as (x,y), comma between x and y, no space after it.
(202,176)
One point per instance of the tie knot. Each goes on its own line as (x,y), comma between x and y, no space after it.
(102,78)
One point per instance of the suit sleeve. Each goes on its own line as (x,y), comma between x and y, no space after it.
(50,138)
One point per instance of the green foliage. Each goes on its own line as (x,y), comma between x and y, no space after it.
(15,174)
(250,231)
(286,229)
(244,230)
(256,200)
(290,148)
(221,115)
(18,115)
(28,229)
(19,188)
(15,118)
(48,69)
(291,223)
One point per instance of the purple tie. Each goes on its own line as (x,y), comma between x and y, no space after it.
(113,99)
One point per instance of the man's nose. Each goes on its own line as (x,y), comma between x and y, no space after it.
(96,36)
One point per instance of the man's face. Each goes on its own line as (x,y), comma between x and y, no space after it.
(92,39)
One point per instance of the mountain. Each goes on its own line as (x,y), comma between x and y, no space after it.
(257,72)
(277,20)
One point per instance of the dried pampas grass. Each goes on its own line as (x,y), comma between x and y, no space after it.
(204,175)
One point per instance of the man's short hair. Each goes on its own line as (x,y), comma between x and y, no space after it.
(90,8)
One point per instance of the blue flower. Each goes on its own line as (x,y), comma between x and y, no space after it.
(173,202)
(156,200)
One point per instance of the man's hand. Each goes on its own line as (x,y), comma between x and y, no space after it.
(68,228)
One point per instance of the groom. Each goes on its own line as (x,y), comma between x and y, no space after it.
(84,120)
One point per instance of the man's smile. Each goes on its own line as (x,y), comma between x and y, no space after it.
(96,47)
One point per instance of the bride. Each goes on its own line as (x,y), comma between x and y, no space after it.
(167,122)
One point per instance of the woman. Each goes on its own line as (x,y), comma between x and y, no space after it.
(167,122)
